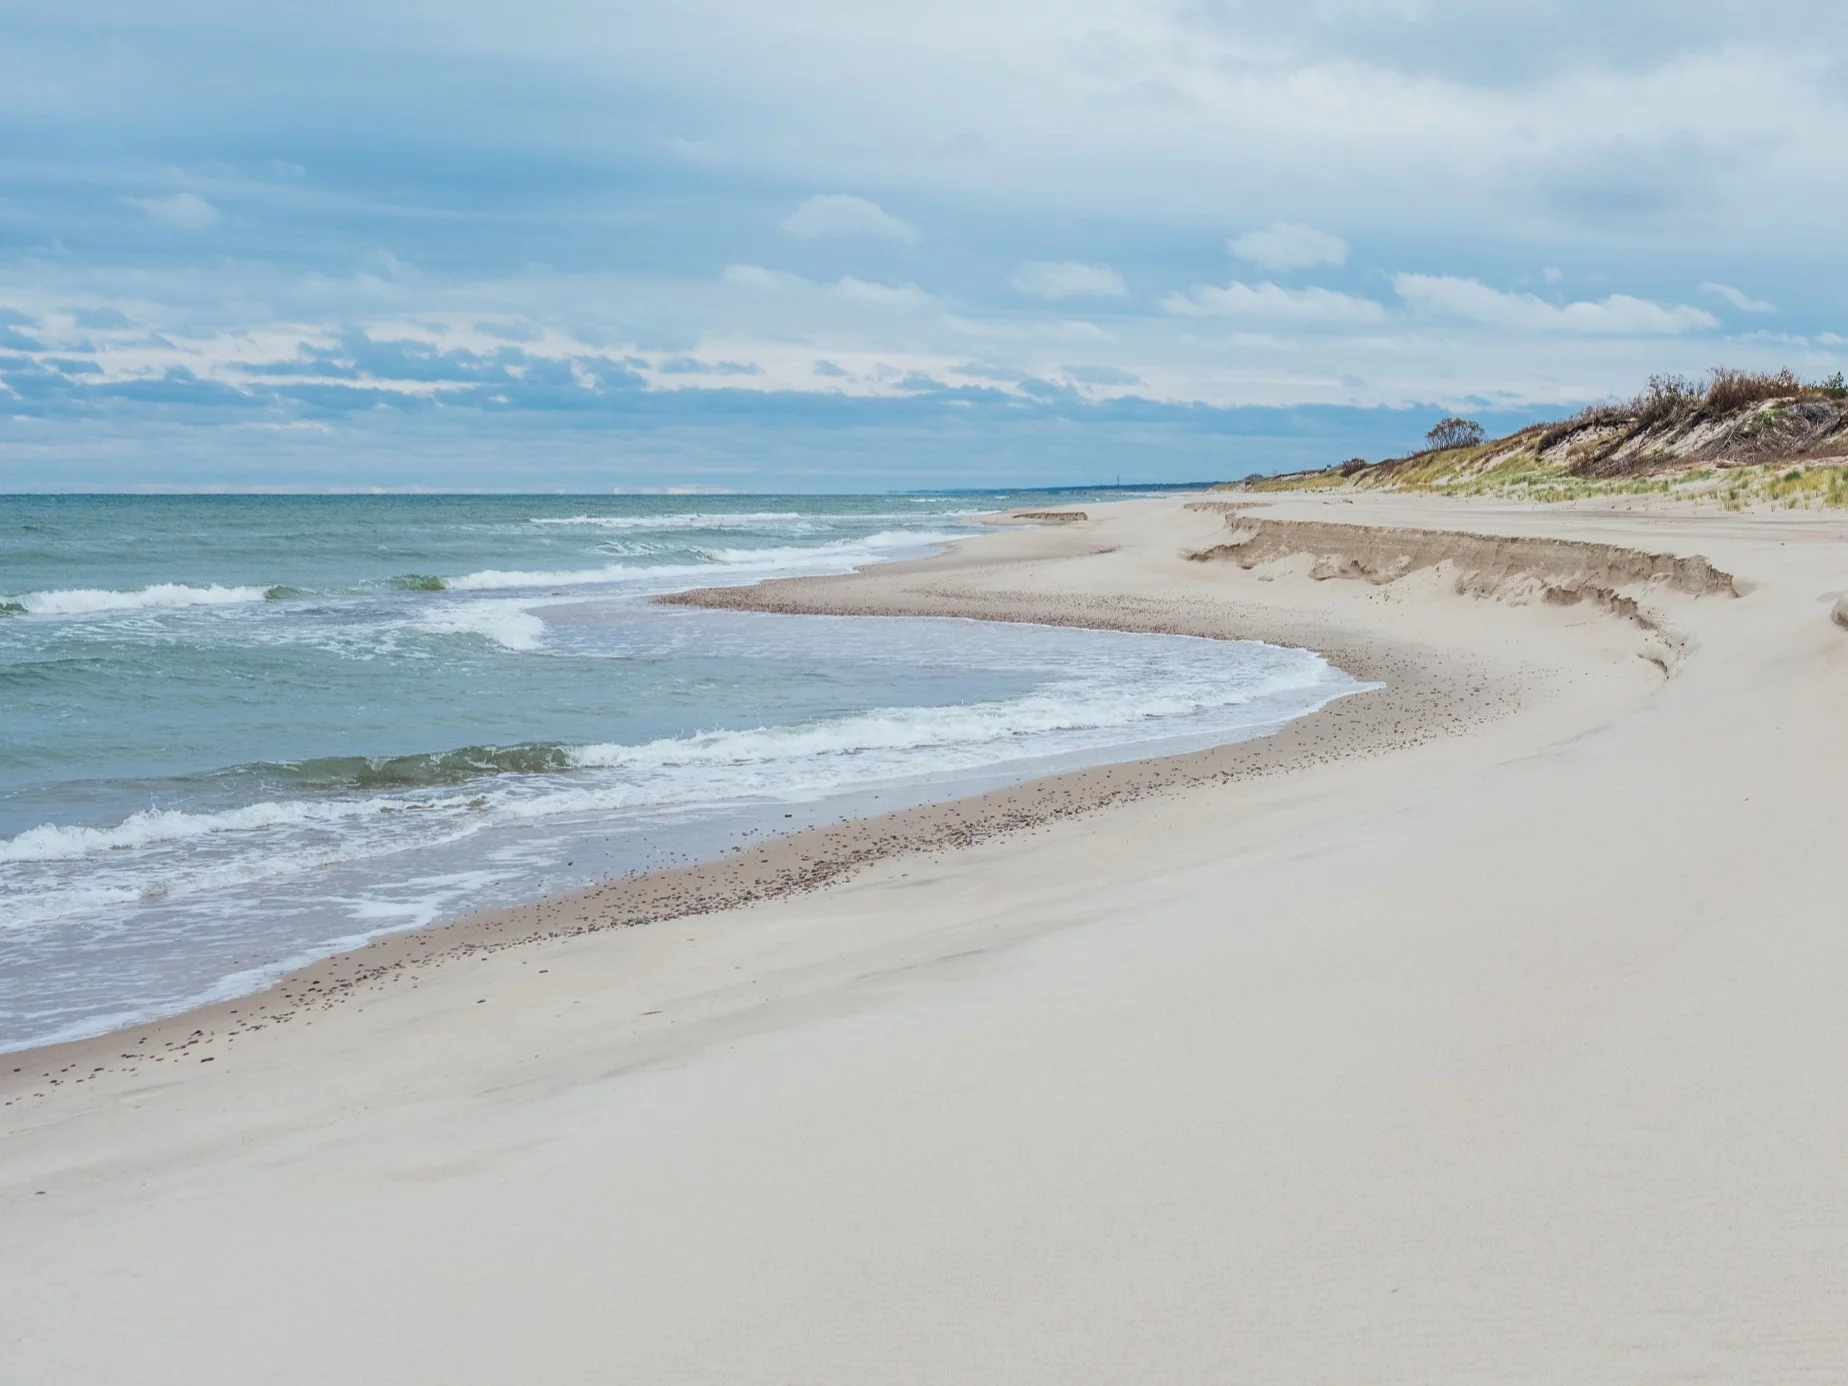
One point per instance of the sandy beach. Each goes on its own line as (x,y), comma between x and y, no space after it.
(1487,1026)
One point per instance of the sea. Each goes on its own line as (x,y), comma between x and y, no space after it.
(240,733)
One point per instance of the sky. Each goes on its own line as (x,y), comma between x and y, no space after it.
(716,245)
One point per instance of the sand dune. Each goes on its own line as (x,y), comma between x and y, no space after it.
(1487,1027)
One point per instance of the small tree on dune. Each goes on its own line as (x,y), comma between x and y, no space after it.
(1455,433)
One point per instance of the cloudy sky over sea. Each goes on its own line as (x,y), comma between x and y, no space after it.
(834,245)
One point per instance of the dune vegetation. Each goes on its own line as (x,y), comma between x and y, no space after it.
(1735,439)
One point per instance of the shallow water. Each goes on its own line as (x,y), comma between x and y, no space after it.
(238,733)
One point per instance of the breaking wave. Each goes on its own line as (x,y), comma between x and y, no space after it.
(692,520)
(837,556)
(90,601)
(151,827)
(436,768)
(505,623)
(838,753)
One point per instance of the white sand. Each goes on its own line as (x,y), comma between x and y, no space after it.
(1518,1054)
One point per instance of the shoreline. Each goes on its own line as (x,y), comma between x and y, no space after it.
(1511,1046)
(1422,697)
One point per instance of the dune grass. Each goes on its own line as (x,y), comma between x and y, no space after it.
(1812,485)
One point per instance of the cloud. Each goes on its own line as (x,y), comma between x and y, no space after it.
(692,365)
(1599,178)
(1617,315)
(1068,279)
(842,214)
(764,280)
(1739,299)
(1268,302)
(849,289)
(1100,375)
(881,295)
(642,148)
(1287,245)
(105,318)
(188,211)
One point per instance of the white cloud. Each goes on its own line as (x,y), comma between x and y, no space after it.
(1390,116)
(1617,315)
(842,214)
(1286,245)
(866,292)
(186,210)
(764,280)
(882,295)
(1739,299)
(1068,279)
(1268,302)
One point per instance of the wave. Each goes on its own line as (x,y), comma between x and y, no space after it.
(882,729)
(726,519)
(89,601)
(429,769)
(964,726)
(689,520)
(776,760)
(841,553)
(50,842)
(501,579)
(504,622)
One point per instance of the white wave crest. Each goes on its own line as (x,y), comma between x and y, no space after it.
(1021,722)
(51,842)
(501,579)
(835,753)
(89,601)
(844,553)
(689,520)
(505,623)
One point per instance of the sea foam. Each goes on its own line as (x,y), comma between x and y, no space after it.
(835,753)
(90,601)
(691,520)
(503,622)
(836,556)
(150,827)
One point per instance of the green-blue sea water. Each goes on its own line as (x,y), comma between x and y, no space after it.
(237,733)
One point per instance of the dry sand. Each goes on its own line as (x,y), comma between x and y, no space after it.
(1488,1027)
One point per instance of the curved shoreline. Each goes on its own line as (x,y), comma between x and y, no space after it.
(1424,695)
(1359,1063)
